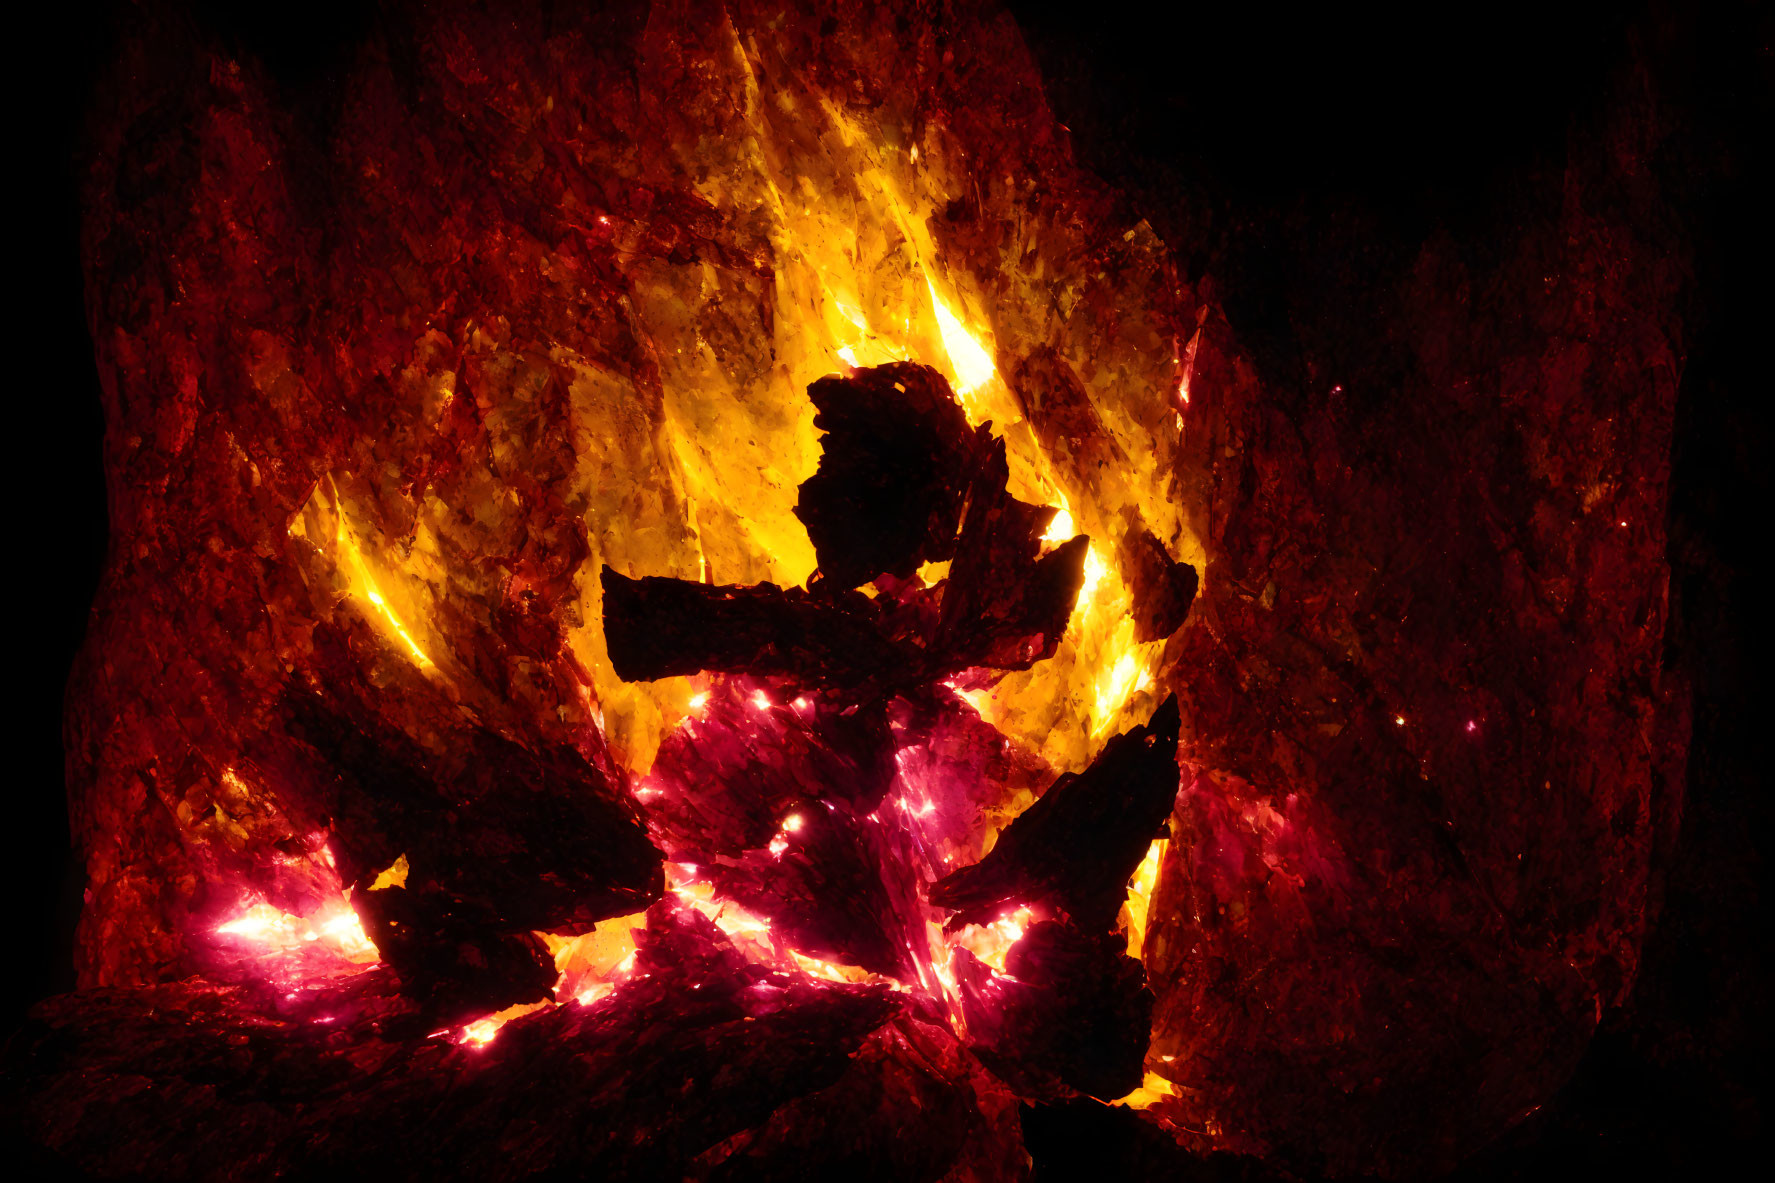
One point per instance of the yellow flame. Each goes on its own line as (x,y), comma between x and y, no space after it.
(697,477)
(1138,906)
(393,875)
(592,958)
(992,942)
(1153,1089)
(1114,687)
(830,971)
(363,585)
(354,565)
(972,365)
(482,1031)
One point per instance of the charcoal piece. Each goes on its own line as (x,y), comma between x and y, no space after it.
(453,956)
(1078,844)
(538,839)
(907,1109)
(909,610)
(1071,1012)
(541,838)
(1086,1139)
(893,473)
(820,886)
(131,1082)
(658,627)
(1163,588)
(1005,605)
(499,841)
(723,781)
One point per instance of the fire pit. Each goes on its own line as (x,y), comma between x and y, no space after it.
(691,598)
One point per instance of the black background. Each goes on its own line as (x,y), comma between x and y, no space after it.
(1302,157)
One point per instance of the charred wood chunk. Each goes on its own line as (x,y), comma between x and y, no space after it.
(1163,588)
(453,956)
(818,882)
(1078,844)
(724,780)
(658,627)
(1086,1139)
(498,841)
(1071,1012)
(893,473)
(906,1110)
(536,840)
(1005,605)
(542,839)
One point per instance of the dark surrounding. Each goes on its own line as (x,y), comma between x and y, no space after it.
(1312,154)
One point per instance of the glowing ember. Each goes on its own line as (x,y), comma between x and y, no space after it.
(337,928)
(482,1031)
(991,942)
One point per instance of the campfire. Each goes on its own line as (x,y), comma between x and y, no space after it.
(691,598)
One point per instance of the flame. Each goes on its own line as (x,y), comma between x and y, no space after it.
(1153,1089)
(992,942)
(972,365)
(481,1031)
(1138,906)
(830,971)
(324,516)
(845,199)
(591,960)
(393,875)
(335,927)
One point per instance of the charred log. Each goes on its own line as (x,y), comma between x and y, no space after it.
(1005,604)
(1077,846)
(894,470)
(1071,1013)
(658,627)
